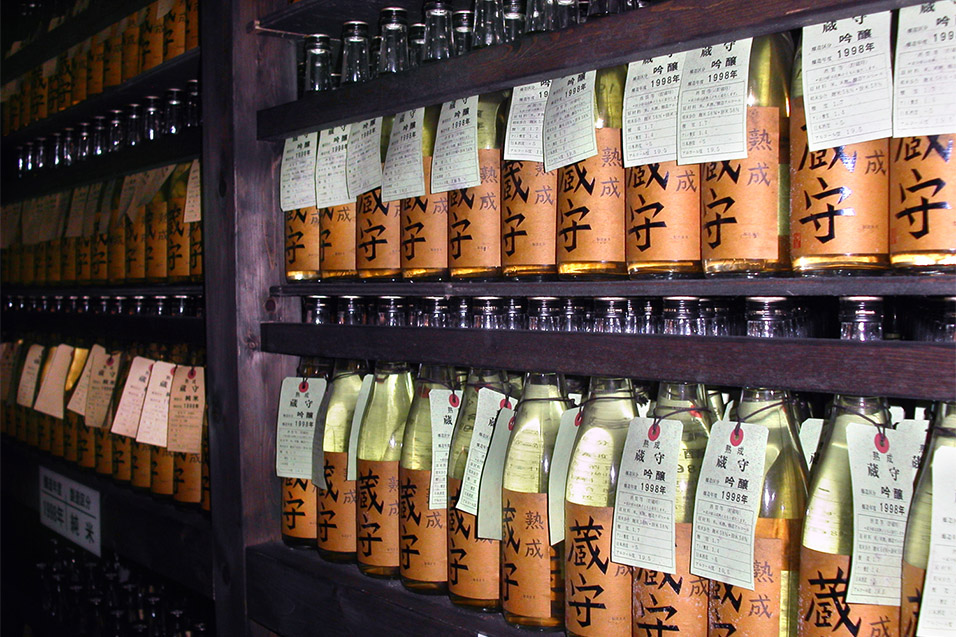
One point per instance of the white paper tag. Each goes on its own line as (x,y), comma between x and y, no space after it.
(650,109)
(489,491)
(104,212)
(404,175)
(331,181)
(847,81)
(153,182)
(52,392)
(489,402)
(77,402)
(74,223)
(130,407)
(455,164)
(712,106)
(192,209)
(351,472)
(132,184)
(71,509)
(917,428)
(558,476)
(163,7)
(154,416)
(643,530)
(924,90)
(364,157)
(810,439)
(937,616)
(299,401)
(881,473)
(569,135)
(728,502)
(103,375)
(297,175)
(524,136)
(443,405)
(91,210)
(187,406)
(29,375)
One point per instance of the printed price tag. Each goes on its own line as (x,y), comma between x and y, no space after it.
(30,374)
(74,223)
(130,407)
(489,490)
(297,176)
(192,209)
(132,185)
(91,211)
(351,472)
(153,182)
(299,401)
(881,473)
(847,81)
(727,503)
(331,181)
(443,405)
(77,402)
(455,164)
(558,476)
(650,109)
(51,396)
(919,429)
(924,90)
(712,105)
(187,408)
(643,530)
(937,613)
(569,121)
(404,175)
(154,417)
(810,439)
(105,369)
(70,509)
(489,402)
(524,135)
(364,158)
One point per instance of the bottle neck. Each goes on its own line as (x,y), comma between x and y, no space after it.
(768,328)
(691,392)
(607,387)
(390,367)
(438,39)
(865,331)
(543,385)
(355,58)
(348,367)
(393,56)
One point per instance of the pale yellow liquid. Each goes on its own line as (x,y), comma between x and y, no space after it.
(382,273)
(679,396)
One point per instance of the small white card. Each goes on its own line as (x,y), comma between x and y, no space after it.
(489,491)
(299,401)
(74,223)
(331,180)
(937,617)
(52,392)
(130,408)
(105,369)
(30,375)
(351,471)
(650,109)
(486,414)
(443,405)
(569,134)
(364,157)
(558,477)
(192,209)
(455,164)
(404,174)
(187,407)
(77,402)
(154,416)
(524,136)
(297,175)
(810,439)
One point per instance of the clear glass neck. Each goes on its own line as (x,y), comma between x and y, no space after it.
(393,56)
(489,23)
(438,34)
(355,60)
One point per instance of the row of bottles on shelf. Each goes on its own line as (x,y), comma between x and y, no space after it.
(176,305)
(136,125)
(80,594)
(136,413)
(147,37)
(632,512)
(145,227)
(631,170)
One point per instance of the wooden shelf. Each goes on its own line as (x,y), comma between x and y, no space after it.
(172,541)
(294,591)
(667,27)
(161,329)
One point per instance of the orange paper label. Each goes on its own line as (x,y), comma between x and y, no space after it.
(597,591)
(529,214)
(142,465)
(174,30)
(530,566)
(56,437)
(298,508)
(43,431)
(910,598)
(838,196)
(177,240)
(84,250)
(379,232)
(99,257)
(156,240)
(472,562)
(676,601)
(741,198)
(68,260)
(86,447)
(161,471)
(377,516)
(195,249)
(424,228)
(192,24)
(113,57)
(131,54)
(81,63)
(474,217)
(824,611)
(422,542)
(122,458)
(151,39)
(187,477)
(922,194)
(71,434)
(94,69)
(135,245)
(336,506)
(302,240)
(663,213)
(337,234)
(104,452)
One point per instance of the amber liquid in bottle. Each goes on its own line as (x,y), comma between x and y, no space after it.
(379,234)
(425,219)
(302,244)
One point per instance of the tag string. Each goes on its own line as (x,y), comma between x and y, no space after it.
(773,405)
(435,381)
(880,426)
(679,410)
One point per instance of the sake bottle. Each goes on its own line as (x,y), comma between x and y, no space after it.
(116,237)
(422,530)
(72,421)
(162,461)
(187,467)
(156,220)
(783,500)
(379,451)
(121,447)
(177,233)
(135,235)
(827,547)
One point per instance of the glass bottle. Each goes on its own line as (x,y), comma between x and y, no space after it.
(839,199)
(156,222)
(489,23)
(177,230)
(393,27)
(173,112)
(425,219)
(188,467)
(416,44)
(355,53)
(378,250)
(193,113)
(379,451)
(514,20)
(152,119)
(134,125)
(72,421)
(827,547)
(162,461)
(116,248)
(114,131)
(438,34)
(423,544)
(83,142)
(761,246)
(463,25)
(318,63)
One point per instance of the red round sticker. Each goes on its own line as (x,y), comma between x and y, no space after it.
(109,361)
(578,419)
(737,436)
(511,423)
(504,404)
(453,399)
(654,432)
(882,442)
(192,373)
(304,386)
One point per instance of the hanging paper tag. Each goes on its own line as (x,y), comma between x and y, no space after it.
(727,503)
(455,163)
(187,407)
(810,438)
(91,210)
(489,402)
(404,175)
(569,134)
(881,473)
(650,109)
(154,417)
(489,490)
(30,374)
(712,106)
(918,428)
(937,613)
(924,102)
(77,402)
(331,181)
(74,223)
(132,184)
(297,176)
(643,530)
(558,476)
(102,381)
(163,7)
(154,180)
(847,81)
(360,404)
(106,202)
(130,408)
(192,209)
(51,396)
(364,157)
(443,405)
(299,401)
(525,131)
